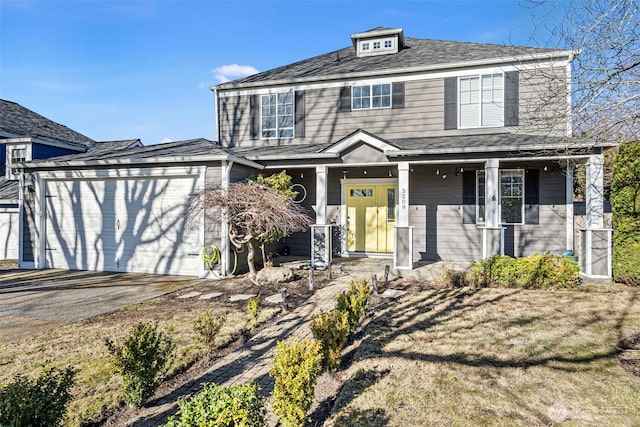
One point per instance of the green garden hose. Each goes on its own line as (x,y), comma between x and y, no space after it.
(211,256)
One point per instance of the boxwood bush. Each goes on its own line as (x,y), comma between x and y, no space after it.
(532,272)
(237,405)
(36,402)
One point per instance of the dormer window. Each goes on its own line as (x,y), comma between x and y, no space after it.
(379,41)
(16,154)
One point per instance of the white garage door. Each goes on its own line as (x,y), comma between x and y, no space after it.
(133,225)
(9,233)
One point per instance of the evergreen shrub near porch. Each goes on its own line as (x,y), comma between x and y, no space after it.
(535,271)
(625,204)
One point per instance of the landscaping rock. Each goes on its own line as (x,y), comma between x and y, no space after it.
(240,297)
(211,295)
(393,293)
(274,275)
(274,299)
(190,295)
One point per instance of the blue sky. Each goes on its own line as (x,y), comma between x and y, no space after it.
(142,69)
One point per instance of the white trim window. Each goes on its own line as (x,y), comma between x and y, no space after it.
(512,196)
(15,155)
(371,96)
(481,100)
(18,155)
(277,115)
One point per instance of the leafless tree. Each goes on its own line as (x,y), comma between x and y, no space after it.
(255,214)
(605,81)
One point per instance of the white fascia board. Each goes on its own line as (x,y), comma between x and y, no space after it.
(400,153)
(518,63)
(127,162)
(361,137)
(259,157)
(58,144)
(123,173)
(9,202)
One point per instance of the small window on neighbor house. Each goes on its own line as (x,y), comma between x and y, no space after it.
(18,155)
(388,44)
(365,46)
(376,45)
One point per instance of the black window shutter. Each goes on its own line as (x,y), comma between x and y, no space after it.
(254,116)
(532,196)
(451,103)
(299,126)
(397,95)
(511,98)
(345,99)
(469,197)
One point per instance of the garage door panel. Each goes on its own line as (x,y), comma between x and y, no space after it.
(137,225)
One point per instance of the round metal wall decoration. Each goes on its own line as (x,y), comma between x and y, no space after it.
(302,193)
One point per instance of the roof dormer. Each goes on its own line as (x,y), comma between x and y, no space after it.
(378,41)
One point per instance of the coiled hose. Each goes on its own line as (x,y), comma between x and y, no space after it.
(211,256)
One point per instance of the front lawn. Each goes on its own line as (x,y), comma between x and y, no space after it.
(467,357)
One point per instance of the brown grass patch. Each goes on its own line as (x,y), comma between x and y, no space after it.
(495,357)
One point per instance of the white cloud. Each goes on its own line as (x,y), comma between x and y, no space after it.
(165,140)
(229,72)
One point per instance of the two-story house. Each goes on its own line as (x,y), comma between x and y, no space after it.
(28,136)
(422,149)
(403,148)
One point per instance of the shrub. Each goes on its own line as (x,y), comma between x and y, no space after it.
(534,271)
(208,326)
(253,307)
(354,302)
(625,204)
(36,402)
(142,359)
(238,405)
(331,329)
(295,369)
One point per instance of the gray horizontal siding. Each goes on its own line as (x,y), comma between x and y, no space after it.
(422,115)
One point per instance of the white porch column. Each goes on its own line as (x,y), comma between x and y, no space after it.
(492,193)
(403,194)
(595,190)
(492,233)
(321,194)
(569,206)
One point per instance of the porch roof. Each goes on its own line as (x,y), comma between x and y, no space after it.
(499,143)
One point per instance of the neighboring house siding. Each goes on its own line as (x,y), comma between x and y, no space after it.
(422,113)
(3,160)
(40,151)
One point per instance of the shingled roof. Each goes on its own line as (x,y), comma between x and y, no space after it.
(417,55)
(17,121)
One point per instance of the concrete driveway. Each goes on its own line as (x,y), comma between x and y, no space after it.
(32,297)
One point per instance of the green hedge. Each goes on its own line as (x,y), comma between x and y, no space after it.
(532,272)
(625,204)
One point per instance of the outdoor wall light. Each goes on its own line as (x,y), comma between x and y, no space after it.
(390,174)
(364,171)
(444,176)
(437,171)
(459,171)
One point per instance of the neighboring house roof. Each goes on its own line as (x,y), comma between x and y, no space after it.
(193,150)
(417,55)
(9,190)
(17,121)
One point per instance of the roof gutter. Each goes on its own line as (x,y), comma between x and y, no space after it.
(532,147)
(129,162)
